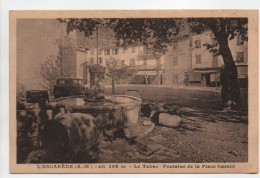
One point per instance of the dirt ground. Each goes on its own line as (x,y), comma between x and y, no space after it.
(206,133)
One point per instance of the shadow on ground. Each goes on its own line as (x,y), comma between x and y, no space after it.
(206,134)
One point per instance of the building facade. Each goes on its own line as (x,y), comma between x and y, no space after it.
(178,62)
(72,62)
(186,62)
(205,70)
(149,67)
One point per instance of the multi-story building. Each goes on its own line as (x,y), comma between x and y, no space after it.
(149,67)
(206,66)
(72,60)
(72,56)
(187,62)
(178,62)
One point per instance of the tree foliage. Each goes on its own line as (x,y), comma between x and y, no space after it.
(158,33)
(50,70)
(115,70)
(223,29)
(154,33)
(88,26)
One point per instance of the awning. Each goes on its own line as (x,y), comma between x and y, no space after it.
(146,73)
(207,71)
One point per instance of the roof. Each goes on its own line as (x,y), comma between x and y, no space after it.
(208,70)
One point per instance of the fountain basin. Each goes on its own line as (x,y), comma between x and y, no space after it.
(117,115)
(129,106)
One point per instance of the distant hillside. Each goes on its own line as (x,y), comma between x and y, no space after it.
(105,36)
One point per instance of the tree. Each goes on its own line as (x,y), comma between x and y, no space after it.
(115,71)
(50,70)
(224,29)
(52,67)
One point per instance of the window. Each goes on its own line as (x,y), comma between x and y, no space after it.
(240,57)
(100,51)
(132,62)
(100,60)
(198,59)
(116,51)
(133,49)
(214,61)
(92,52)
(175,45)
(240,41)
(175,79)
(91,61)
(145,61)
(107,52)
(197,44)
(175,61)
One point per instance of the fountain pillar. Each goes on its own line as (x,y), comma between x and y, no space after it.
(97,88)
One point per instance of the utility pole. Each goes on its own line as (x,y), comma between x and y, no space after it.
(191,46)
(61,60)
(61,40)
(97,42)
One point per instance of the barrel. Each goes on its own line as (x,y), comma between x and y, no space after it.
(68,135)
(110,117)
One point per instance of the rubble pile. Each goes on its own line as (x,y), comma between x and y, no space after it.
(31,118)
(47,133)
(161,114)
(50,132)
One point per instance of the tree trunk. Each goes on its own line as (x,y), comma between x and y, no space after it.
(230,92)
(113,85)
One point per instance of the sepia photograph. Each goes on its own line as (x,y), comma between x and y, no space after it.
(145,92)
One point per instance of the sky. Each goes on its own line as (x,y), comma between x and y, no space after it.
(35,42)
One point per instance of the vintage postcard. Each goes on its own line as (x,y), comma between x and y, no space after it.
(134,91)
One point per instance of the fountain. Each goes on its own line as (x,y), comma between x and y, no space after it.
(114,116)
